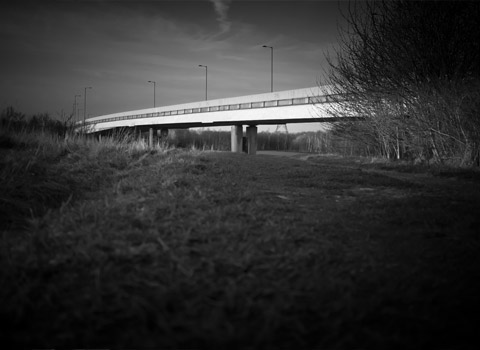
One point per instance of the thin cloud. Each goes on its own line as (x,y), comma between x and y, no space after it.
(221,9)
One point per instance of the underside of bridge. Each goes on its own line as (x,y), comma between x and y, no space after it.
(237,139)
(239,143)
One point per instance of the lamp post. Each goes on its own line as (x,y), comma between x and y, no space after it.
(75,109)
(154,84)
(271,50)
(206,80)
(85,107)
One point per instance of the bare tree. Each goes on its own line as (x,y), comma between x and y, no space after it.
(411,69)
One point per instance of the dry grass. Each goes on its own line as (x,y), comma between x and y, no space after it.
(176,249)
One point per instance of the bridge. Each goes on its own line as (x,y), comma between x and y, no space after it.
(292,106)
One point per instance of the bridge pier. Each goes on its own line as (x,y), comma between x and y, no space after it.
(252,139)
(156,136)
(150,138)
(236,138)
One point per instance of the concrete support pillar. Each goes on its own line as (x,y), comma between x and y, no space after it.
(162,137)
(236,138)
(150,137)
(252,139)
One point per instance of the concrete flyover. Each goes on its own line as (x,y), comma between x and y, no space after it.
(292,106)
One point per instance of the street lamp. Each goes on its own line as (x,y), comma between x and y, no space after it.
(154,84)
(206,80)
(75,109)
(271,49)
(85,107)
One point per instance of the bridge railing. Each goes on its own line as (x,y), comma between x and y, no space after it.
(225,107)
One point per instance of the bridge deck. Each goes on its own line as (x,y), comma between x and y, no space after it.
(291,106)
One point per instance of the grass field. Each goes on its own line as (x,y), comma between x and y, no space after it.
(116,246)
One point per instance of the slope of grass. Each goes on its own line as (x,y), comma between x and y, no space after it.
(40,170)
(175,249)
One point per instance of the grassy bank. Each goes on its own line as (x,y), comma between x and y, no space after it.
(41,170)
(132,248)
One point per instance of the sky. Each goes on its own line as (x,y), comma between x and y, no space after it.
(53,49)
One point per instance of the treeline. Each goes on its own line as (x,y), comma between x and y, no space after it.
(313,142)
(205,140)
(11,119)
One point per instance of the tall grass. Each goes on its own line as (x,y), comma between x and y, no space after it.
(40,169)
